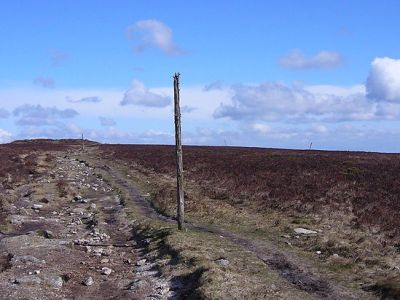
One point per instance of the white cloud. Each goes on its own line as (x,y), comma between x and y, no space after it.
(266,114)
(85,100)
(388,110)
(45,82)
(322,60)
(320,129)
(36,115)
(153,34)
(271,101)
(107,121)
(4,113)
(340,91)
(260,128)
(215,85)
(383,82)
(5,136)
(140,95)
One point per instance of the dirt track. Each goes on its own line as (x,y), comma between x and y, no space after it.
(300,274)
(57,242)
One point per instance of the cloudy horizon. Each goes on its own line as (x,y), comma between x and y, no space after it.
(114,85)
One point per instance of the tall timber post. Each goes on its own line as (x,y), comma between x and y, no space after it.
(179,161)
(83,144)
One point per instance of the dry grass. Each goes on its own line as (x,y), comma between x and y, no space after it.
(334,192)
(364,185)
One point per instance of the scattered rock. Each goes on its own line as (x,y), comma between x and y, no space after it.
(137,284)
(29,280)
(37,206)
(88,281)
(55,281)
(162,289)
(26,259)
(222,262)
(106,252)
(106,271)
(148,273)
(300,230)
(141,262)
(144,268)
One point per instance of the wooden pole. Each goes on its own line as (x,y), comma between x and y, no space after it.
(83,144)
(179,161)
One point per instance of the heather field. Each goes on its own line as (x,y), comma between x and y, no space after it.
(363,185)
(260,223)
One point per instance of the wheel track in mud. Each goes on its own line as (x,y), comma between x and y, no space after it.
(302,276)
(124,250)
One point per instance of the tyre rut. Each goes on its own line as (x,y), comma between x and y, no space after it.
(302,276)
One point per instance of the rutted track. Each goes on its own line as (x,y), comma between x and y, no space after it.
(301,275)
(76,246)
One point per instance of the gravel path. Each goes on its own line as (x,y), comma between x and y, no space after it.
(69,239)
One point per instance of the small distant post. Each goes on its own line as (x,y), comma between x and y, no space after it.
(83,144)
(179,161)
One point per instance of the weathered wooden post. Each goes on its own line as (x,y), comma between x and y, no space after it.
(83,144)
(179,161)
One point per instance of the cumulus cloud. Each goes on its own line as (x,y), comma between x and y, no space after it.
(329,137)
(85,100)
(215,85)
(38,115)
(115,135)
(154,136)
(153,34)
(45,82)
(61,131)
(57,57)
(4,113)
(383,82)
(106,121)
(140,95)
(5,136)
(322,60)
(271,101)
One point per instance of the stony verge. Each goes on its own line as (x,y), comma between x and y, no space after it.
(68,237)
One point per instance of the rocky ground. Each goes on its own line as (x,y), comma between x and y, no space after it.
(79,225)
(69,239)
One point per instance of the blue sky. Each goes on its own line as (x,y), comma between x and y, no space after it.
(254,73)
